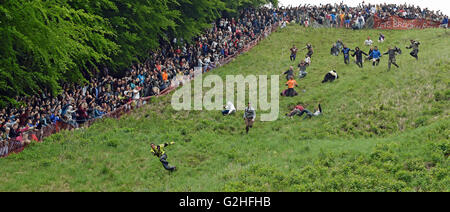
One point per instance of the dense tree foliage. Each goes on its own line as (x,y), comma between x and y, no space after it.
(47,42)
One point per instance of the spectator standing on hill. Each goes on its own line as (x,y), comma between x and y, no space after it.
(159,152)
(330,76)
(359,59)
(249,117)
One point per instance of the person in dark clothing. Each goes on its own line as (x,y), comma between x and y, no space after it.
(375,55)
(358,53)
(346,52)
(293,53)
(289,73)
(249,117)
(302,67)
(334,50)
(415,46)
(330,76)
(392,53)
(159,152)
(310,50)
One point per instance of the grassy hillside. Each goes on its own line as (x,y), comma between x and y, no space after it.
(381,131)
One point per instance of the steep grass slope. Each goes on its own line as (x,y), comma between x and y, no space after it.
(381,131)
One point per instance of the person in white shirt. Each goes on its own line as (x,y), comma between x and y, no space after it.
(229,109)
(368,42)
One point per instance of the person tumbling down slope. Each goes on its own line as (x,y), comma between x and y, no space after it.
(159,152)
(228,109)
(249,117)
(330,76)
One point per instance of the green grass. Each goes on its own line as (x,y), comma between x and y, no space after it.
(381,131)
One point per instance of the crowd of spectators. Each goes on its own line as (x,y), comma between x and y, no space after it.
(341,15)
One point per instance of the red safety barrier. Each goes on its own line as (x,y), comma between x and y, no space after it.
(395,22)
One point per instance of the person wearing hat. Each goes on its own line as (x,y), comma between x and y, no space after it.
(158,151)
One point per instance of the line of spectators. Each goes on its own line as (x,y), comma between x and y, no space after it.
(341,15)
(175,61)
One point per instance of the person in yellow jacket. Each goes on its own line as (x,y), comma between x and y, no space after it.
(158,151)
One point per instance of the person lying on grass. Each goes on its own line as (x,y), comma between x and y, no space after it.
(330,76)
(159,152)
(229,109)
(300,110)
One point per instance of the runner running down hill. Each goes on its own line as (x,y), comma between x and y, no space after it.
(249,117)
(375,55)
(392,53)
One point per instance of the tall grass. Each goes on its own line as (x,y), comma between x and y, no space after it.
(381,130)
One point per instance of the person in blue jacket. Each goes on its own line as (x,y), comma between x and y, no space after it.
(346,52)
(375,55)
